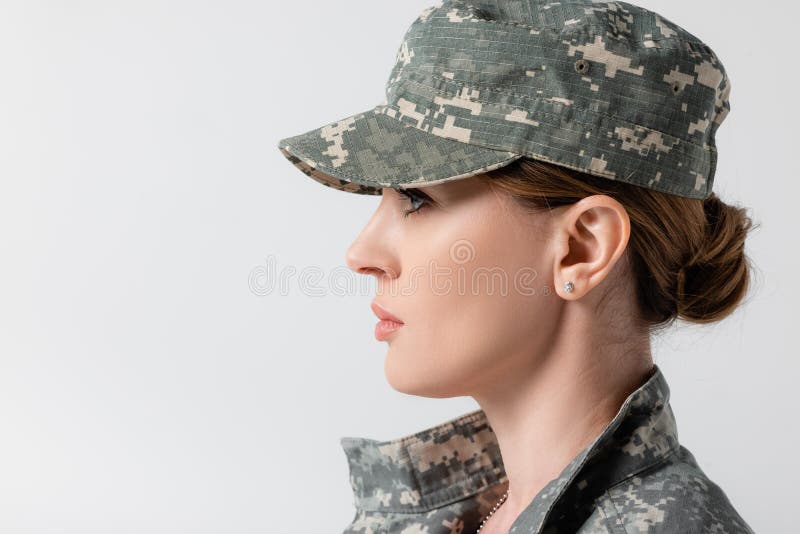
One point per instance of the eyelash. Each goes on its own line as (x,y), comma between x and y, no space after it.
(414,197)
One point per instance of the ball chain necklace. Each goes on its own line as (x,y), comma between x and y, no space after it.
(496,506)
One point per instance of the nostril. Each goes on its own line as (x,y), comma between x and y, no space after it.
(370,271)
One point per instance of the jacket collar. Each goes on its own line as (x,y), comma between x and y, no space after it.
(461,458)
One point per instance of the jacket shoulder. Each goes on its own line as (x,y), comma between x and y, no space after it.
(674,496)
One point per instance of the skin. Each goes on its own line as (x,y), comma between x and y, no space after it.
(550,369)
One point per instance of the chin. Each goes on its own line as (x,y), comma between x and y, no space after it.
(418,381)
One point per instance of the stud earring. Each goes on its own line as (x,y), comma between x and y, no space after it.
(568,287)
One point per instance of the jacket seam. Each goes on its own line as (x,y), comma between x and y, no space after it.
(607,491)
(619,512)
(438,503)
(615,529)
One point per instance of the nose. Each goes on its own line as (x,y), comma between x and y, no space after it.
(373,251)
(364,257)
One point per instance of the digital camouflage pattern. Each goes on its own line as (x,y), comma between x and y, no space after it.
(634,478)
(608,88)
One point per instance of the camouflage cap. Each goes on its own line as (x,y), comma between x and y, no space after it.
(607,88)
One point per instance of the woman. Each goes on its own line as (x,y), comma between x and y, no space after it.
(546,175)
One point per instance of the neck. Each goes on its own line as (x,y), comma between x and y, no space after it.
(545,418)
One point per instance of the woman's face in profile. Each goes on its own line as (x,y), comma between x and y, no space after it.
(470,275)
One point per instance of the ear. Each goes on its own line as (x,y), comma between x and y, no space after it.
(591,235)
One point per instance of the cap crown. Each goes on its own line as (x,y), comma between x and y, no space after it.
(607,88)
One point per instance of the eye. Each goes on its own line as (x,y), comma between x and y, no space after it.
(417,198)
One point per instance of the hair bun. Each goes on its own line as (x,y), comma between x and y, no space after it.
(713,280)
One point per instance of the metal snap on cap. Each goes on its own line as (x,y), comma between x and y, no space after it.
(581,66)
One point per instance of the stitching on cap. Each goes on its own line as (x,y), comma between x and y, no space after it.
(554,30)
(680,188)
(539,99)
(542,74)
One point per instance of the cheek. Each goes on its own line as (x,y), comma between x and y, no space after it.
(472,318)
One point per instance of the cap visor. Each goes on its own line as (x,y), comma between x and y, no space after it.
(368,151)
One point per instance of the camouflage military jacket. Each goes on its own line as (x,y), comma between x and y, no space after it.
(633,478)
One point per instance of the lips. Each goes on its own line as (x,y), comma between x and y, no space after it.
(388,324)
(384,314)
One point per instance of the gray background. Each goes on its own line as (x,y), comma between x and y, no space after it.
(147,386)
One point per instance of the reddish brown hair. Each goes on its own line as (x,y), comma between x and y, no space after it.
(687,255)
